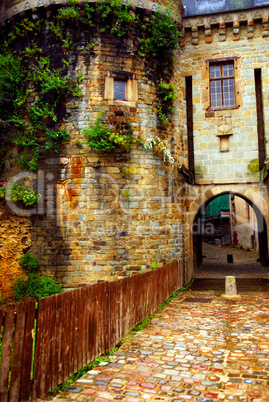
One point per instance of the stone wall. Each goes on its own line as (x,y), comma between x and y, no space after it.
(95,232)
(95,222)
(15,238)
(242,36)
(101,224)
(244,225)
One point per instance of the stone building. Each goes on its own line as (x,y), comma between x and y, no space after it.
(225,77)
(104,214)
(244,226)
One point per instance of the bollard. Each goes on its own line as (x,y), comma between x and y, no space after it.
(230,286)
(230,258)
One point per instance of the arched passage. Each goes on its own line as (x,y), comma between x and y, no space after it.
(197,229)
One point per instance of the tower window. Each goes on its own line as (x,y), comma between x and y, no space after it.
(119,89)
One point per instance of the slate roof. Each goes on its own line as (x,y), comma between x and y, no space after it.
(201,7)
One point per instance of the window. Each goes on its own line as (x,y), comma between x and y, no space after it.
(222,92)
(119,89)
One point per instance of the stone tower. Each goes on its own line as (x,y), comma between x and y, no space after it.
(102,213)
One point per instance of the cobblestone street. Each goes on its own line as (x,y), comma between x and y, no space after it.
(244,264)
(202,347)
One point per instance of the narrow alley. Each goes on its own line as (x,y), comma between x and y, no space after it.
(202,347)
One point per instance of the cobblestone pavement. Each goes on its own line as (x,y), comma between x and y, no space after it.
(203,347)
(244,264)
(215,253)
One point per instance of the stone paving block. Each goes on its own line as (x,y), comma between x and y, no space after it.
(235,371)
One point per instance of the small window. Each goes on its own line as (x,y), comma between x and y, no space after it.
(222,91)
(119,89)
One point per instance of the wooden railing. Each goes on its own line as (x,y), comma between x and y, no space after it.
(42,344)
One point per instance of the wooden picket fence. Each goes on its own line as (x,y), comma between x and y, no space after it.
(44,343)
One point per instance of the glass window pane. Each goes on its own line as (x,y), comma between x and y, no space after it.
(216,100)
(222,84)
(215,72)
(119,90)
(228,70)
(228,89)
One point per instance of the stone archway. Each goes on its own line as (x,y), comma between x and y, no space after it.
(254,194)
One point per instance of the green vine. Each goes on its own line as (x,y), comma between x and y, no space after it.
(12,191)
(115,18)
(160,38)
(106,138)
(33,124)
(166,94)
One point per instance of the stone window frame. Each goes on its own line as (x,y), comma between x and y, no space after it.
(221,73)
(131,88)
(207,92)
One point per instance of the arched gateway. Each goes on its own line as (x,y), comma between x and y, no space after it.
(254,194)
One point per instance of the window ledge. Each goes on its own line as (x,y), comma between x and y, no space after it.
(222,108)
(121,102)
(117,102)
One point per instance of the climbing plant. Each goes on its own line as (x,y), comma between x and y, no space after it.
(104,137)
(166,94)
(115,17)
(160,38)
(33,124)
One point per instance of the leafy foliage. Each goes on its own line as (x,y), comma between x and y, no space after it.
(116,18)
(16,192)
(127,171)
(154,265)
(30,262)
(34,285)
(11,84)
(166,94)
(160,37)
(102,137)
(55,138)
(51,80)
(53,87)
(69,13)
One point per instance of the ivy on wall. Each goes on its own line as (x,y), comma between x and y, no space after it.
(32,116)
(34,86)
(102,137)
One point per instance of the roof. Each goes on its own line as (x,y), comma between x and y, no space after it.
(202,7)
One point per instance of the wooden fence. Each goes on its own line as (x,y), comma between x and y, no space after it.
(43,344)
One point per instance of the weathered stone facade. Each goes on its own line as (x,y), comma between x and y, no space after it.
(244,227)
(244,37)
(15,238)
(96,222)
(227,146)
